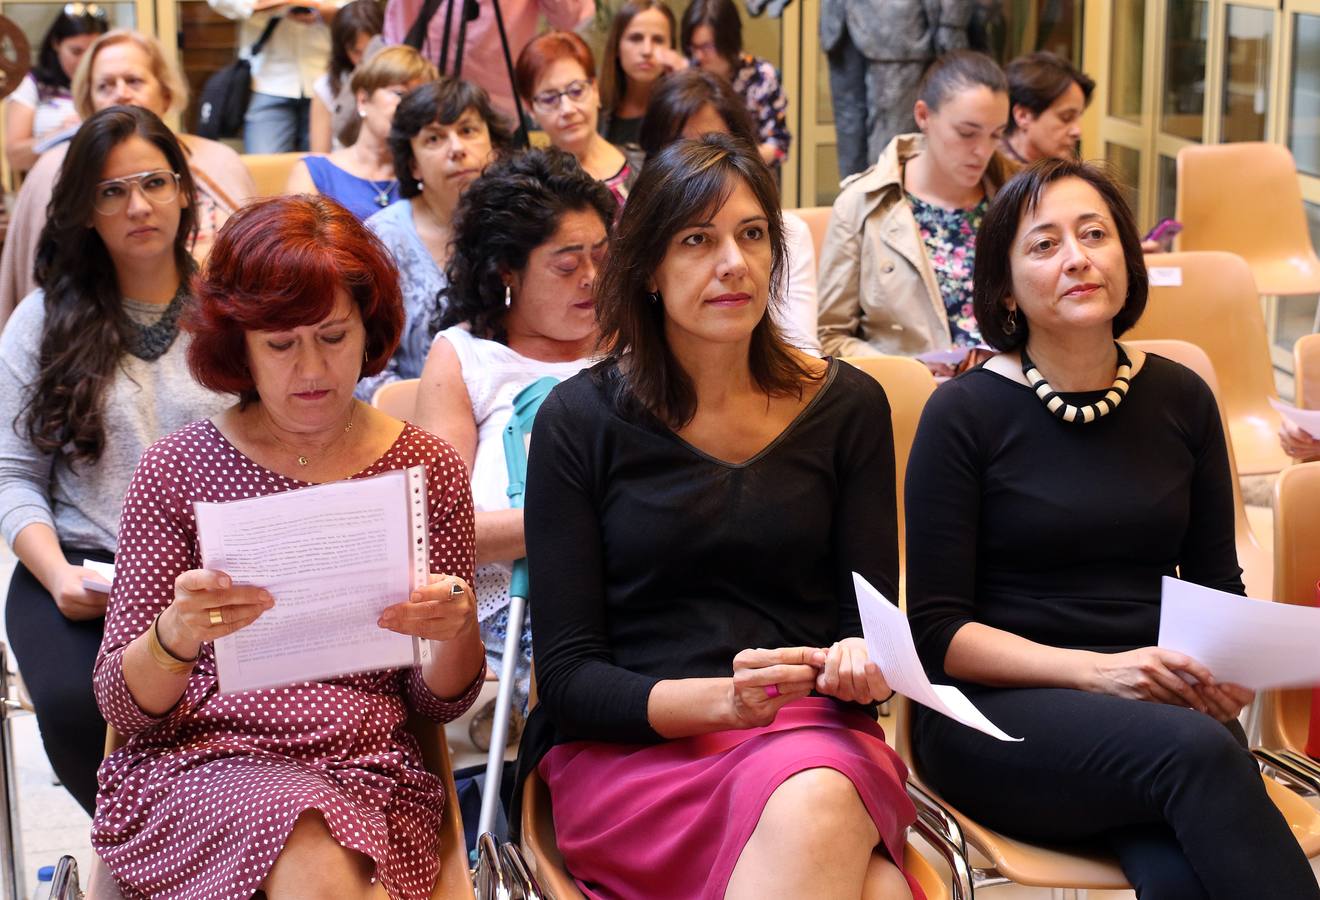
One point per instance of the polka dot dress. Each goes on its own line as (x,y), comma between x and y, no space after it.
(200,801)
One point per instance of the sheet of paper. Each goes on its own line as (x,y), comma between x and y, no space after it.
(1306,419)
(1164,276)
(950,357)
(333,556)
(105,570)
(1254,643)
(889,642)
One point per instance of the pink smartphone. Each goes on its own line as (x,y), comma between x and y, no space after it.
(1164,233)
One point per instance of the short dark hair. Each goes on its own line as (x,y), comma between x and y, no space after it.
(441,102)
(679,96)
(48,73)
(514,207)
(277,264)
(685,182)
(724,21)
(1036,80)
(956,71)
(993,276)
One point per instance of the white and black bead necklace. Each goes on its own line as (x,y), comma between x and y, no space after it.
(1080,414)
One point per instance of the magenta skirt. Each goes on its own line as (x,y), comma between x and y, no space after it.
(670,820)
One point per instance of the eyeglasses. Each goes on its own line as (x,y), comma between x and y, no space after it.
(159,186)
(84,10)
(548,101)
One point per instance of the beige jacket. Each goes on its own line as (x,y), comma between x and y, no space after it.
(878,293)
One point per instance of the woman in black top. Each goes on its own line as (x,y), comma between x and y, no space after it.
(704,490)
(1047,493)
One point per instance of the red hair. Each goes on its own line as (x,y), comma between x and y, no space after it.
(277,264)
(546,49)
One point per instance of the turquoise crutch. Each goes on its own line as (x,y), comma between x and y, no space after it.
(525,406)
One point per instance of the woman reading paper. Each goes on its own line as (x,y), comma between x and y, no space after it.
(311,789)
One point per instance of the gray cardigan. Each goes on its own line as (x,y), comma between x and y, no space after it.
(144,402)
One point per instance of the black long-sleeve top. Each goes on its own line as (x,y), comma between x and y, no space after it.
(651,560)
(1060,532)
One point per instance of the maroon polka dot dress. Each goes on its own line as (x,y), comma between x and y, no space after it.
(200,801)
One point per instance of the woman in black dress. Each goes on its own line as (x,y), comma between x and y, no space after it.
(1047,493)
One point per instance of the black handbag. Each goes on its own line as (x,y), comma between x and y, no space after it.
(225,96)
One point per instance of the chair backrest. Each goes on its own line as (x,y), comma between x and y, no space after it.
(1253,555)
(1245,198)
(1306,370)
(818,221)
(1296,571)
(398,398)
(270,171)
(1215,306)
(908,384)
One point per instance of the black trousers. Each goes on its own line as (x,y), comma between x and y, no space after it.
(1172,791)
(55,656)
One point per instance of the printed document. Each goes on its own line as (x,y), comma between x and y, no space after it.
(1306,419)
(890,645)
(333,556)
(1254,643)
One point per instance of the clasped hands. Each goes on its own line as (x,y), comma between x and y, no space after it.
(1166,676)
(208,605)
(766,680)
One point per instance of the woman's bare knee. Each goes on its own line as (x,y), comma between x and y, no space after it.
(820,805)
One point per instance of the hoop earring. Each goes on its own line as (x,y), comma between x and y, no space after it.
(1010,323)
(653,297)
(508,297)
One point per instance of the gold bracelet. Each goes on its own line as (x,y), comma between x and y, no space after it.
(163,657)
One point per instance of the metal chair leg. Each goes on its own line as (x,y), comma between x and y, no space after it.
(65,884)
(11,844)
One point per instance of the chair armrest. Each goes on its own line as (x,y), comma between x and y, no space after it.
(960,872)
(1290,769)
(933,813)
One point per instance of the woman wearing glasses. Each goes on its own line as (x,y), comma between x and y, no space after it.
(42,105)
(554,77)
(92,371)
(123,68)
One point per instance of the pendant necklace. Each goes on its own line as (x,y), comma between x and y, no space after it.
(303,459)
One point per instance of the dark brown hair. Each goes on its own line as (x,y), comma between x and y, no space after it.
(959,70)
(993,277)
(613,81)
(685,182)
(679,96)
(83,336)
(724,21)
(359,17)
(441,102)
(1036,80)
(277,264)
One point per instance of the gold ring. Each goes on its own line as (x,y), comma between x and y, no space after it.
(216,617)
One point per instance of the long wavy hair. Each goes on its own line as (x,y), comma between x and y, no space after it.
(86,328)
(513,208)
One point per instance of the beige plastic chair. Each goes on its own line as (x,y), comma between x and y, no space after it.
(908,385)
(1296,571)
(1244,198)
(818,220)
(1306,371)
(542,851)
(1217,308)
(455,880)
(1253,549)
(398,398)
(270,171)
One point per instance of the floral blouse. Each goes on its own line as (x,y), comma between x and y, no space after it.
(757,82)
(949,236)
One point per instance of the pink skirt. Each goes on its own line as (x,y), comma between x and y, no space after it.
(670,820)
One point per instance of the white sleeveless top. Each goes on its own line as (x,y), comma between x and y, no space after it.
(493,375)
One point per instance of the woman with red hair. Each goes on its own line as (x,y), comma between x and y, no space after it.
(314,789)
(555,78)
